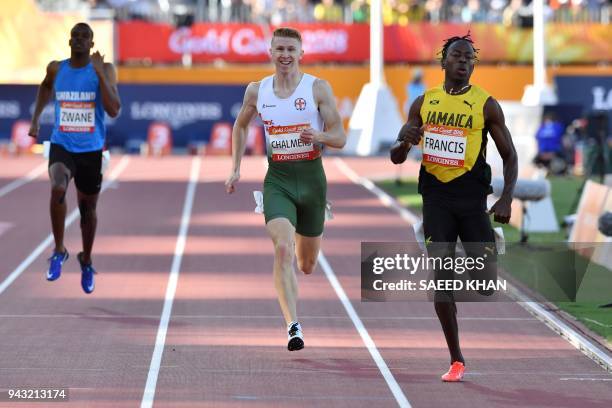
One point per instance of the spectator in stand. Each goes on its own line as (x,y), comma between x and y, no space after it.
(360,10)
(415,11)
(510,14)
(550,147)
(434,9)
(473,12)
(261,11)
(328,12)
(240,11)
(303,11)
(394,11)
(280,13)
(414,89)
(496,10)
(388,11)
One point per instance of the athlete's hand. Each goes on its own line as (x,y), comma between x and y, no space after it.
(310,136)
(34,128)
(232,179)
(97,60)
(502,209)
(411,134)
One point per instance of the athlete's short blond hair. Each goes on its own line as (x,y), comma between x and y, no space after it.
(287,32)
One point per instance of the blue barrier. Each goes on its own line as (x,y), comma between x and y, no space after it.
(594,93)
(190,110)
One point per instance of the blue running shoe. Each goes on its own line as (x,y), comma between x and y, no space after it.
(55,265)
(87,275)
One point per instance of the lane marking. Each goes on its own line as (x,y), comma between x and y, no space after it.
(538,373)
(576,339)
(384,198)
(69,220)
(317,398)
(178,316)
(43,369)
(160,340)
(597,322)
(396,390)
(5,226)
(580,342)
(32,175)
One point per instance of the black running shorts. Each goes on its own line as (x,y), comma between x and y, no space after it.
(84,167)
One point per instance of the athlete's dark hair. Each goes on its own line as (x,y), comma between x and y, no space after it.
(449,41)
(84,25)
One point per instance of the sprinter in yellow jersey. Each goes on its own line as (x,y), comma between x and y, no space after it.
(299,116)
(451,123)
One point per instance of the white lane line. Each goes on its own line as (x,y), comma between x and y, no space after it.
(5,226)
(401,399)
(576,339)
(585,379)
(384,198)
(32,175)
(305,317)
(598,323)
(586,346)
(55,368)
(69,220)
(311,397)
(149,391)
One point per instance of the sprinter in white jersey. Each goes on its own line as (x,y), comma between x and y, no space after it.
(300,117)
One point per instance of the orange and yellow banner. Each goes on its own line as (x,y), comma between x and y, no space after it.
(30,39)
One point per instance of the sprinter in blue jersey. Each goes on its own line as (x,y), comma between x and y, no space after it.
(84,87)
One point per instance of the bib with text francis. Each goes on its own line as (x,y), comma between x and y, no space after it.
(454,131)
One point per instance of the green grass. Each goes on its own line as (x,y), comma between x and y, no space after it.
(592,316)
(556,272)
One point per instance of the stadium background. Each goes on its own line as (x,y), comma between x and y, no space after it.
(216,48)
(183,65)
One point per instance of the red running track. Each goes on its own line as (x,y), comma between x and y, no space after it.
(225,344)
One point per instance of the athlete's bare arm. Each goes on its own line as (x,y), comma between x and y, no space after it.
(45,92)
(239,133)
(108,84)
(410,134)
(333,135)
(496,124)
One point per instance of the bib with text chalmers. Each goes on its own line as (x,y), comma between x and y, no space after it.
(287,146)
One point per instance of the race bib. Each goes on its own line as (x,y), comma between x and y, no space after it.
(286,144)
(444,145)
(77,116)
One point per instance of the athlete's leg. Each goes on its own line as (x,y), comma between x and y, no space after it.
(88,181)
(307,252)
(89,222)
(282,233)
(440,227)
(61,169)
(310,223)
(59,175)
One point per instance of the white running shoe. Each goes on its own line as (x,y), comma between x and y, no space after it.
(296,338)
